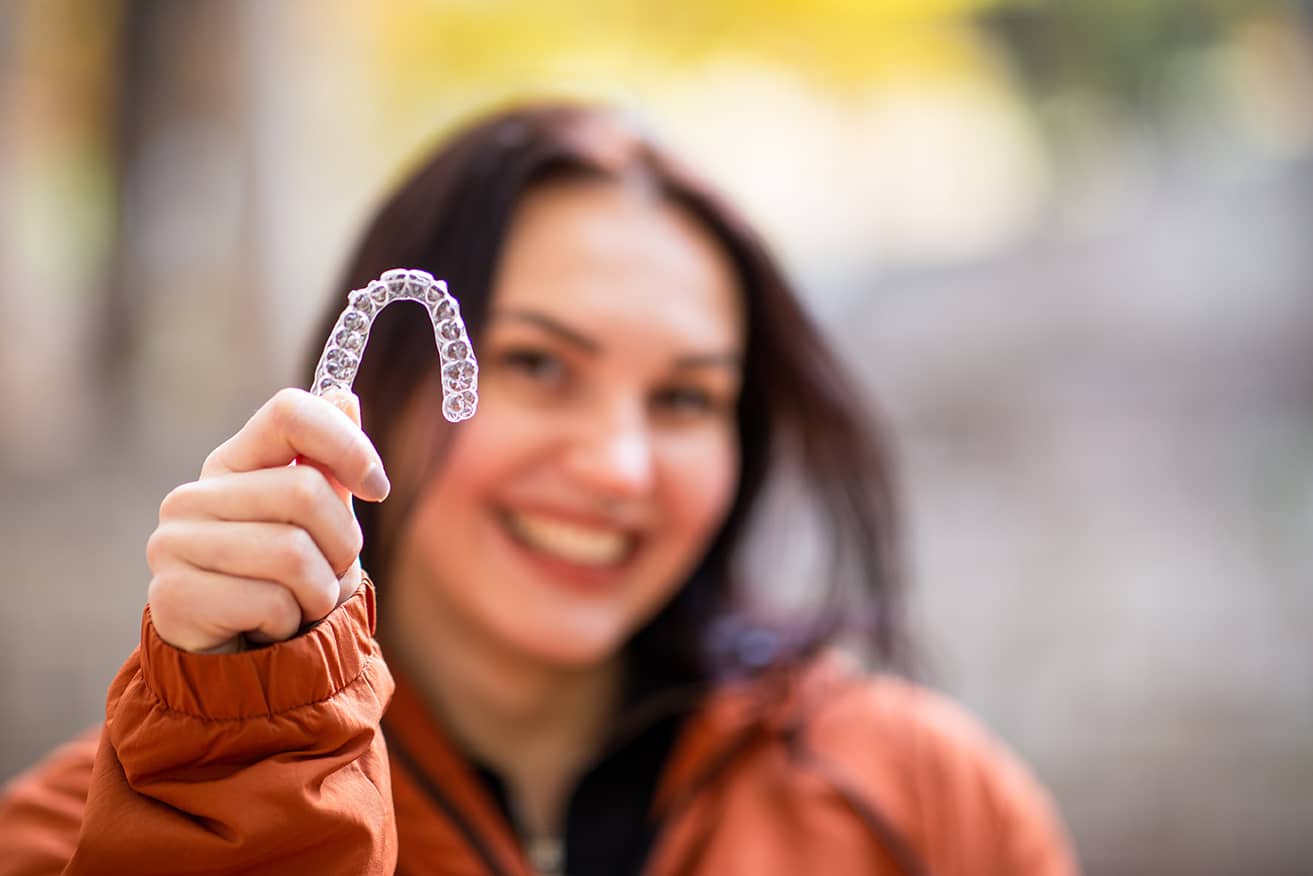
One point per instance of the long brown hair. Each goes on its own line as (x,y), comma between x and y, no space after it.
(798,406)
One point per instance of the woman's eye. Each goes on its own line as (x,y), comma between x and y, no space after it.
(686,400)
(536,364)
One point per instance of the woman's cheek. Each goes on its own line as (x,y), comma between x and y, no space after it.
(709,479)
(500,425)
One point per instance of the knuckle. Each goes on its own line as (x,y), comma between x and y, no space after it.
(300,555)
(343,555)
(349,584)
(162,595)
(211,458)
(154,551)
(306,491)
(158,548)
(287,409)
(320,602)
(287,557)
(282,613)
(176,501)
(288,395)
(214,460)
(346,542)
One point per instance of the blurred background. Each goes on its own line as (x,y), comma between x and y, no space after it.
(1067,244)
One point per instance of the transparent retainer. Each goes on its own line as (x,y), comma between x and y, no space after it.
(346,343)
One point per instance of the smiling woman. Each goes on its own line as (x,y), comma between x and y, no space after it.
(575,679)
(605,456)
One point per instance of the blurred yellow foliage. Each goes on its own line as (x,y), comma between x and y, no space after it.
(426,46)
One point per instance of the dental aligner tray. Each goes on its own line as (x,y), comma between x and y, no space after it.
(346,343)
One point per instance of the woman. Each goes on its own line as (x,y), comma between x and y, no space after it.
(575,681)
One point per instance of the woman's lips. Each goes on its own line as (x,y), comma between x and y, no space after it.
(595,547)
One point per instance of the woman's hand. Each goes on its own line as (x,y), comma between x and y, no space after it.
(258,546)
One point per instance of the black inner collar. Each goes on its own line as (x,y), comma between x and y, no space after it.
(608,828)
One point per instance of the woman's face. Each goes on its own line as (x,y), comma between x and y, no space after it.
(604,455)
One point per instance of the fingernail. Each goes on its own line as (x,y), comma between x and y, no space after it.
(376,483)
(345,401)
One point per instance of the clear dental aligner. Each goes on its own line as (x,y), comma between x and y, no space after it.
(346,344)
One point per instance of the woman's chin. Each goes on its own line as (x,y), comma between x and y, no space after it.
(571,646)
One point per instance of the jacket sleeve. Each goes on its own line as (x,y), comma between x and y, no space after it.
(267,761)
(41,810)
(994,815)
(955,795)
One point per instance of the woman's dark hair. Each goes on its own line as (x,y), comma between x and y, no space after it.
(798,407)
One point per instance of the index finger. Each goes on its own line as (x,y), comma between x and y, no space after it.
(295,423)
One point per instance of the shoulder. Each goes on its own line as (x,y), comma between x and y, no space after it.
(939,770)
(41,809)
(844,707)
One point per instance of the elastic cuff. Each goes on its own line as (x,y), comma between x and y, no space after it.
(267,681)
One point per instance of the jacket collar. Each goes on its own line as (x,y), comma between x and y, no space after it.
(427,757)
(723,720)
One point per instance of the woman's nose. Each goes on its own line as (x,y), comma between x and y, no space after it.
(612,453)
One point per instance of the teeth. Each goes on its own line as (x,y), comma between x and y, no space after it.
(578,544)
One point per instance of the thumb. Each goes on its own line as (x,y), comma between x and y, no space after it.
(348,403)
(345,401)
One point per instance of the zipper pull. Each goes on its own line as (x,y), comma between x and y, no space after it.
(546,855)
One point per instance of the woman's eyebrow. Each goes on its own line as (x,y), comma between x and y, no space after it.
(547,323)
(710,360)
(575,338)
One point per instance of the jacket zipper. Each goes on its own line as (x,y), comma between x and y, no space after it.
(476,842)
(546,855)
(453,813)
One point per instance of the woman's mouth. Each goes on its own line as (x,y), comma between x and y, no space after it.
(591,546)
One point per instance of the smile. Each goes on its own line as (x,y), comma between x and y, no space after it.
(584,545)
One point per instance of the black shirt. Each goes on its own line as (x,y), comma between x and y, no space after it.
(608,829)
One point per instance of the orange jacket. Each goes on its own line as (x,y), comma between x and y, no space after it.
(273,761)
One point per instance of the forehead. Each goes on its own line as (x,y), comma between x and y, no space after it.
(621,262)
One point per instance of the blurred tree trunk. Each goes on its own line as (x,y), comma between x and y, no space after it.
(183,320)
(53,106)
